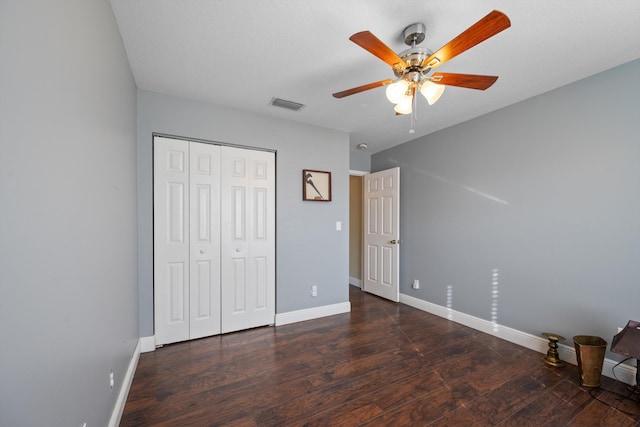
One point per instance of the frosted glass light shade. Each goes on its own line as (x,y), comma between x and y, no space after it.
(431,91)
(396,91)
(404,106)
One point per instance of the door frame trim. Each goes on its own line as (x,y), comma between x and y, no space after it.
(212,142)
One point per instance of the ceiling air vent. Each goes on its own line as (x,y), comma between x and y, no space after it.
(283,103)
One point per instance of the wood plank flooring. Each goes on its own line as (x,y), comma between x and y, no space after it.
(383,364)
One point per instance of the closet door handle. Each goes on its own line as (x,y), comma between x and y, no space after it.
(202,251)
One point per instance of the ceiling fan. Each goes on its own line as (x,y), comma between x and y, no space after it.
(413,66)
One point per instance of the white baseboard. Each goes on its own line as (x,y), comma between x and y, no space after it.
(147,344)
(624,373)
(116,415)
(355,282)
(312,313)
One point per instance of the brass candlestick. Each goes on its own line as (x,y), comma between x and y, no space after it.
(553,358)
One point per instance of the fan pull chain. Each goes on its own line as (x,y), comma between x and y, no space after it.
(414,113)
(414,101)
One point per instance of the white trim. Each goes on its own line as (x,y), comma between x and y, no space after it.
(147,344)
(355,282)
(116,415)
(312,313)
(358,173)
(625,373)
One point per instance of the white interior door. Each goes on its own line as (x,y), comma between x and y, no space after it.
(382,233)
(171,240)
(248,239)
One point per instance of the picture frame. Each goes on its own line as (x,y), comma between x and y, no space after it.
(316,185)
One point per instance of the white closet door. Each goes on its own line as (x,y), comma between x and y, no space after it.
(204,257)
(171,240)
(248,238)
(186,240)
(214,239)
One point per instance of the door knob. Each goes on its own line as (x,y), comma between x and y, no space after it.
(394,242)
(202,251)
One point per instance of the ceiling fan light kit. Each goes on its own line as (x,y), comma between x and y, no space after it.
(397,90)
(404,106)
(431,91)
(413,67)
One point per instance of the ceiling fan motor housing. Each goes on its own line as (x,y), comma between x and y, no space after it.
(414,56)
(414,34)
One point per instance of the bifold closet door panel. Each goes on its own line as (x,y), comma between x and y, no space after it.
(186,240)
(204,256)
(248,238)
(171,240)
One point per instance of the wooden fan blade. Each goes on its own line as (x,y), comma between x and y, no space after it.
(362,88)
(373,45)
(485,28)
(470,81)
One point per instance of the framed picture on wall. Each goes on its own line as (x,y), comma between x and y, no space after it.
(316,185)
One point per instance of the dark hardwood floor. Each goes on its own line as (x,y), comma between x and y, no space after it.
(383,364)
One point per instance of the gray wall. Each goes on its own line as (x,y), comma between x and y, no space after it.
(68,304)
(309,250)
(547,192)
(360,161)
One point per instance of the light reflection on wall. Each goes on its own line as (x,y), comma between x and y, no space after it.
(449,301)
(495,282)
(466,187)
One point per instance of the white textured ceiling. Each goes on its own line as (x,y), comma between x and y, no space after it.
(241,53)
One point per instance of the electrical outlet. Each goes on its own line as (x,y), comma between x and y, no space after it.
(111,379)
(314,291)
(416,284)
